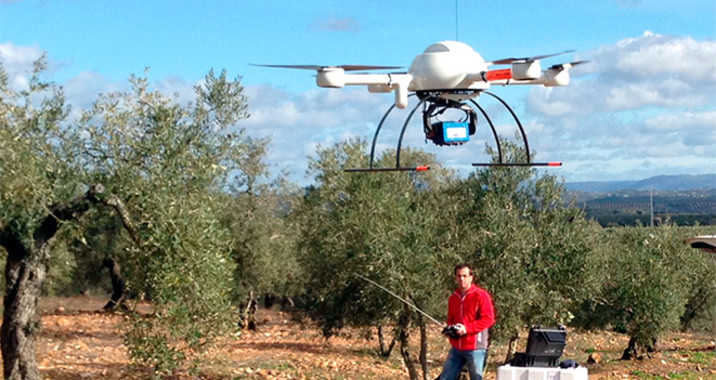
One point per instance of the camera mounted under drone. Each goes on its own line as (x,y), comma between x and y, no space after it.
(443,133)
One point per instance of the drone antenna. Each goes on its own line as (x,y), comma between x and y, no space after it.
(456,21)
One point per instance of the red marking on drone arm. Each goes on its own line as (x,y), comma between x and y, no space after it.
(422,168)
(554,163)
(498,74)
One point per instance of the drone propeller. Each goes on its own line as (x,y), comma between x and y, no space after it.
(562,66)
(344,67)
(507,61)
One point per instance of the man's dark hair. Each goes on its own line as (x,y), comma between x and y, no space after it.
(460,266)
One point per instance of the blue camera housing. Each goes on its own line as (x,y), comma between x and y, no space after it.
(455,132)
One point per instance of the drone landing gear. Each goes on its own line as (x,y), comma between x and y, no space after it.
(500,162)
(397,167)
(449,133)
(420,168)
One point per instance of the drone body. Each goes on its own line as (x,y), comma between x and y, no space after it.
(447,75)
(449,67)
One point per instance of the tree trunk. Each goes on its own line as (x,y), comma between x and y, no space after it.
(24,276)
(511,348)
(385,352)
(405,353)
(423,347)
(25,272)
(637,351)
(118,284)
(403,323)
(249,317)
(269,300)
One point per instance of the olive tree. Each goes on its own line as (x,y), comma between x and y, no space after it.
(381,226)
(167,165)
(649,275)
(40,191)
(160,166)
(258,214)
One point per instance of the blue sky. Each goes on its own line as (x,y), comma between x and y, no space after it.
(644,106)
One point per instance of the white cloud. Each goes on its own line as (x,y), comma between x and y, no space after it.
(653,56)
(297,123)
(176,87)
(18,56)
(642,106)
(650,70)
(703,121)
(336,24)
(17,62)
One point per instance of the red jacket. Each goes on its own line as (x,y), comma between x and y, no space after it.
(475,311)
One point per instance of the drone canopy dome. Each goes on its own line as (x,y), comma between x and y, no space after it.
(445,64)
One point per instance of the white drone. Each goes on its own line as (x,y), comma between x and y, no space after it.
(447,75)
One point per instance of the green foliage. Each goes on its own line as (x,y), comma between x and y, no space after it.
(169,163)
(151,347)
(648,277)
(99,239)
(60,272)
(35,169)
(166,167)
(383,226)
(700,313)
(263,239)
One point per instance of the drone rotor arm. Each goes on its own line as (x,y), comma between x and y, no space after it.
(555,75)
(397,82)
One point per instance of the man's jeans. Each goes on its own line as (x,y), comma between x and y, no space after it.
(457,359)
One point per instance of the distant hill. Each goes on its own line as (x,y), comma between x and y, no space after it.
(683,182)
(684,199)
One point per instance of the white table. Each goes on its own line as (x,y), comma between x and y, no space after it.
(507,372)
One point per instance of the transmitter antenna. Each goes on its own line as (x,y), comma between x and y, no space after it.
(403,300)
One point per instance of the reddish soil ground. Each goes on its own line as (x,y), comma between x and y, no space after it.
(76,342)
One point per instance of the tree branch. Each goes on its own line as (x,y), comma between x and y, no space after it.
(49,225)
(116,203)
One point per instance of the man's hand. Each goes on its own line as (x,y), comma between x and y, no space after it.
(461,330)
(450,331)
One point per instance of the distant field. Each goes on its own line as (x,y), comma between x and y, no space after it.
(685,208)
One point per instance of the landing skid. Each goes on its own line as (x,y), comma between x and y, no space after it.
(429,97)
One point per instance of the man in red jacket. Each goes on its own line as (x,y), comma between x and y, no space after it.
(470,309)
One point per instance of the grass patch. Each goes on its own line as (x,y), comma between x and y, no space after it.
(702,357)
(683,375)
